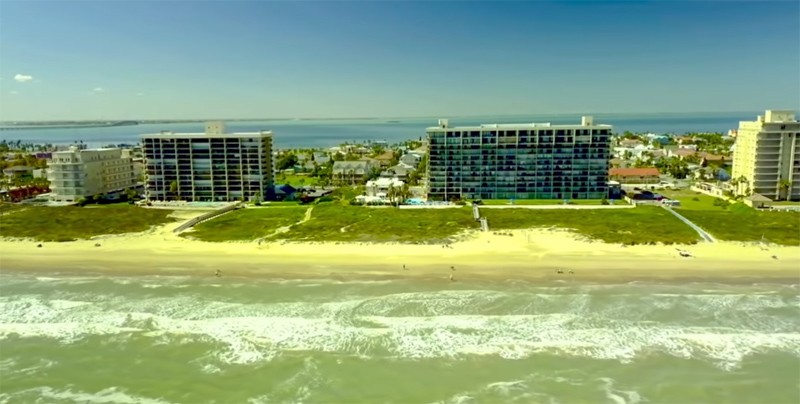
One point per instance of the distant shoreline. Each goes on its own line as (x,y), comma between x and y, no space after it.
(79,123)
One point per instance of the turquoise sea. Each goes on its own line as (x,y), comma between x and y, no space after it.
(157,340)
(327,133)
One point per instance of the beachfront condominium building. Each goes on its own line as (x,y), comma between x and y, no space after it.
(766,160)
(210,166)
(519,161)
(78,173)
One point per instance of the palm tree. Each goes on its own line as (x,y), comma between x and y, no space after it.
(783,189)
(391,193)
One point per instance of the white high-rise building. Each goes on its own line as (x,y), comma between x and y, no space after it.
(766,160)
(79,173)
(210,166)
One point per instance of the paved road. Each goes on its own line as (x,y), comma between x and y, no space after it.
(701,232)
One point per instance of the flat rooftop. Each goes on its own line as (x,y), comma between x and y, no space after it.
(174,135)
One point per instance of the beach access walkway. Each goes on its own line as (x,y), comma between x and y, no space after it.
(208,216)
(704,234)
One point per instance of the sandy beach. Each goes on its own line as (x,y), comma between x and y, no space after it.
(529,254)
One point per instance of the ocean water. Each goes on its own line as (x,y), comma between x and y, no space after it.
(328,133)
(159,340)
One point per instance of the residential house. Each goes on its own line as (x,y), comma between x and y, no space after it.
(703,173)
(321,158)
(758,201)
(21,172)
(681,153)
(350,172)
(380,187)
(636,151)
(411,159)
(401,170)
(284,192)
(617,163)
(657,154)
(649,175)
(717,160)
(385,159)
(684,140)
(630,142)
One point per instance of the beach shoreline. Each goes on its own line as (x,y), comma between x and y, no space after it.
(532,255)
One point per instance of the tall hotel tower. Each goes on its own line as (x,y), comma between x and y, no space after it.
(766,160)
(519,161)
(210,166)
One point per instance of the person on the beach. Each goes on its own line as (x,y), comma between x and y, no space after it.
(452,268)
(218,273)
(451,278)
(404,267)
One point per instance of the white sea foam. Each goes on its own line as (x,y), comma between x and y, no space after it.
(105,396)
(422,325)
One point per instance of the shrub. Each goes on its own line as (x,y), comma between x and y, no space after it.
(696,199)
(604,201)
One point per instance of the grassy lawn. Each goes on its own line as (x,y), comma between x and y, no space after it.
(691,200)
(9,207)
(69,223)
(247,224)
(786,203)
(381,224)
(543,201)
(295,180)
(641,225)
(740,223)
(282,203)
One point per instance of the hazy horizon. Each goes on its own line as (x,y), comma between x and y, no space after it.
(71,60)
(556,114)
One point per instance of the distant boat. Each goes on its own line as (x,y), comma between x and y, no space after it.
(392,121)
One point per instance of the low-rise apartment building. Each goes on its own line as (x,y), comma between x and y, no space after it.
(210,166)
(79,173)
(766,160)
(519,161)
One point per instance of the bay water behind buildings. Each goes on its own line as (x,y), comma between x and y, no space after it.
(167,340)
(327,133)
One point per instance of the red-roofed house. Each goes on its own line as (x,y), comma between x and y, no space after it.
(649,175)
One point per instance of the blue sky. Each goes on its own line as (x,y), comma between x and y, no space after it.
(273,59)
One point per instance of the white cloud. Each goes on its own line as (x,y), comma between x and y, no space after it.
(98,89)
(22,78)
(139,94)
(12,92)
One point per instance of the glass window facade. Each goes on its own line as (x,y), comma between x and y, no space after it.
(551,163)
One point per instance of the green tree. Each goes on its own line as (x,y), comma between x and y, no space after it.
(173,189)
(286,161)
(783,189)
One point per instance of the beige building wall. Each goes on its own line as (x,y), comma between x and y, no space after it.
(76,173)
(767,154)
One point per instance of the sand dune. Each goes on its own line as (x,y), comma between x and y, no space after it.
(535,253)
